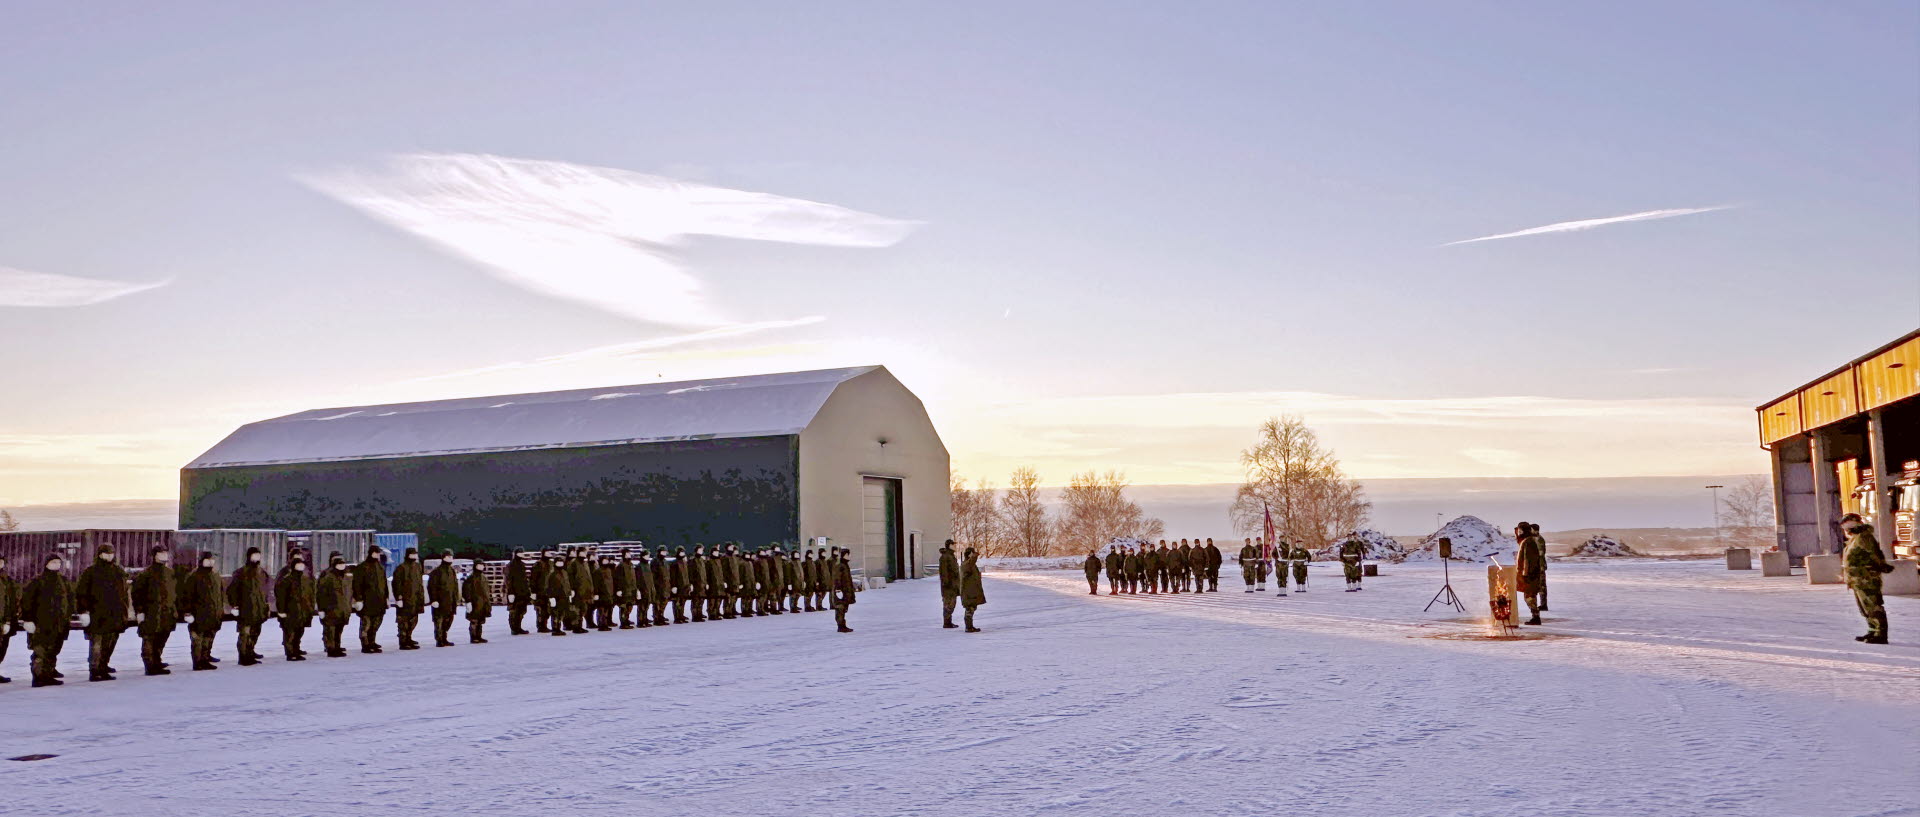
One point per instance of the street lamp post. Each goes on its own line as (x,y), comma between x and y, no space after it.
(1716,513)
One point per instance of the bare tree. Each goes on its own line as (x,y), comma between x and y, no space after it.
(1029,530)
(976,517)
(1301,484)
(7,522)
(1096,511)
(1746,513)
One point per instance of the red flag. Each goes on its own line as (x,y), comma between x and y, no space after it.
(1266,549)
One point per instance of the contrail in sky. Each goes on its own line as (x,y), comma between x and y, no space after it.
(1590,223)
(19,287)
(603,237)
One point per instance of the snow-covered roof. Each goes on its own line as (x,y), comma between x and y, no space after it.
(752,406)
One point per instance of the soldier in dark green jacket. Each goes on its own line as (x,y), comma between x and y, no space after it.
(768,572)
(333,598)
(972,594)
(949,585)
(1352,553)
(720,587)
(1091,567)
(247,597)
(1300,557)
(46,605)
(697,583)
(791,565)
(100,596)
(9,612)
(477,592)
(643,587)
(203,605)
(822,580)
(840,587)
(809,576)
(626,588)
(1132,566)
(604,581)
(1864,564)
(744,586)
(1248,556)
(294,598)
(1214,560)
(662,587)
(155,609)
(371,599)
(443,597)
(537,585)
(580,578)
(1115,565)
(558,596)
(519,593)
(409,597)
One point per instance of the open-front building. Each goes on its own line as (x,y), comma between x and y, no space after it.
(1848,442)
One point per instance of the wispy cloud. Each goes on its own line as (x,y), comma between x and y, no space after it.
(19,287)
(592,235)
(1590,223)
(631,348)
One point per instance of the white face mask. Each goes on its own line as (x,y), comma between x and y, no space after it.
(255,558)
(106,557)
(412,558)
(53,564)
(162,558)
(300,568)
(206,563)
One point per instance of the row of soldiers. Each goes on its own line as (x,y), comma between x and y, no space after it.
(159,598)
(1195,567)
(575,590)
(1181,568)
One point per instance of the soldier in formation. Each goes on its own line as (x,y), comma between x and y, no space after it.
(409,597)
(333,599)
(156,609)
(46,603)
(371,599)
(247,600)
(1864,565)
(203,607)
(101,597)
(9,612)
(478,596)
(294,599)
(443,599)
(520,593)
(1249,560)
(1300,556)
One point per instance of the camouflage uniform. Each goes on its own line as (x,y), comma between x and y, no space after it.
(537,586)
(443,596)
(1248,556)
(1300,558)
(1352,552)
(9,612)
(101,596)
(155,606)
(949,586)
(558,596)
(202,605)
(626,589)
(1091,567)
(580,579)
(333,597)
(477,592)
(293,603)
(1530,573)
(972,594)
(409,597)
(1864,565)
(46,604)
(519,594)
(841,588)
(371,600)
(247,595)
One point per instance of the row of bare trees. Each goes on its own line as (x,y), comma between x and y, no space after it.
(1093,510)
(1300,483)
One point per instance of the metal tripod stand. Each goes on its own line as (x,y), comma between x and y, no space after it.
(1446,595)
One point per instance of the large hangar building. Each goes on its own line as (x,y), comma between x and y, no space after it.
(847,454)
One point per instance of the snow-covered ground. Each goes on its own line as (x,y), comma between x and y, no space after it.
(1674,688)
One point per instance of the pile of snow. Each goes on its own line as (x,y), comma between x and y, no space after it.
(1603,545)
(1380,547)
(1473,541)
(1033,562)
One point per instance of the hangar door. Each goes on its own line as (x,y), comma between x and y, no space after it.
(881,540)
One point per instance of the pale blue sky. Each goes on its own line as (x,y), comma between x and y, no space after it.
(1208,209)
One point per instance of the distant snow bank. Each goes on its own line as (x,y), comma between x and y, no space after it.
(1602,545)
(1474,540)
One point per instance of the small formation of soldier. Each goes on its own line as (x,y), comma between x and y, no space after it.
(1352,553)
(1530,569)
(1864,564)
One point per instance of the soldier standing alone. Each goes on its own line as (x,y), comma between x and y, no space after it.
(1864,565)
(1092,568)
(1352,552)
(1530,569)
(101,598)
(155,609)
